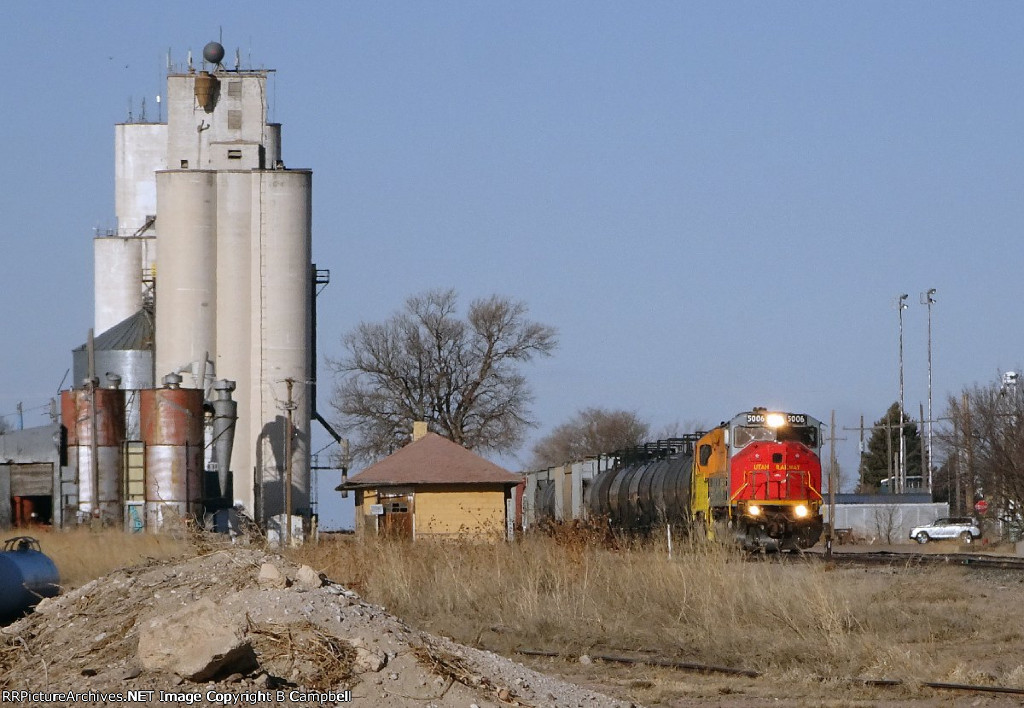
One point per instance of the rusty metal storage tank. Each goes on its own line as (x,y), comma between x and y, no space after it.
(99,482)
(650,487)
(26,576)
(172,429)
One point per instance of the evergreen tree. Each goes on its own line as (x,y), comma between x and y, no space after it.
(875,461)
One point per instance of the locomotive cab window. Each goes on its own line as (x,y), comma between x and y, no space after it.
(802,434)
(705,455)
(743,435)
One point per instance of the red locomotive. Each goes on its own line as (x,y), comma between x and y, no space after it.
(756,477)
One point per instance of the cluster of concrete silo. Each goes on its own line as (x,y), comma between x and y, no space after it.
(203,329)
(207,279)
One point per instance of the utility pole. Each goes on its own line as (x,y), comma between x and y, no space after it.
(346,460)
(969,441)
(928,298)
(831,485)
(957,469)
(289,407)
(860,465)
(93,443)
(890,459)
(888,455)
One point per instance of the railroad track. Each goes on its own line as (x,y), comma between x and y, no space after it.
(671,663)
(970,560)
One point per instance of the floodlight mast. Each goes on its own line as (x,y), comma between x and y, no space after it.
(928,298)
(901,474)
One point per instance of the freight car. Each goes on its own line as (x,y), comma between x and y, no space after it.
(756,478)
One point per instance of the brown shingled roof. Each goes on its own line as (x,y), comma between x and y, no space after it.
(433,460)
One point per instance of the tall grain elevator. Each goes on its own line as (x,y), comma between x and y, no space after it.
(214,234)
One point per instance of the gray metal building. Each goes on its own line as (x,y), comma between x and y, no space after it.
(885,518)
(30,476)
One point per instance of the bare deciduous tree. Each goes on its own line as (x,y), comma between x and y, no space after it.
(677,429)
(887,522)
(591,431)
(984,444)
(425,363)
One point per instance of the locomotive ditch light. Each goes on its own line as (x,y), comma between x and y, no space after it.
(754,510)
(801,511)
(775,420)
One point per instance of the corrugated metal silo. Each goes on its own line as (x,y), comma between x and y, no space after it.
(105,476)
(172,428)
(125,350)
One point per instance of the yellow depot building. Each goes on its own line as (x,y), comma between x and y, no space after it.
(433,487)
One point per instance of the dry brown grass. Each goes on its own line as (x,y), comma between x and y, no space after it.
(807,621)
(83,554)
(708,603)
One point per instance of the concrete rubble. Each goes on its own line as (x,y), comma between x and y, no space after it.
(244,626)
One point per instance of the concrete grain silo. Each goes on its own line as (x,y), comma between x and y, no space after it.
(186,288)
(124,256)
(286,330)
(233,277)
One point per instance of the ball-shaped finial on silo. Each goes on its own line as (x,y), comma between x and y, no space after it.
(213,53)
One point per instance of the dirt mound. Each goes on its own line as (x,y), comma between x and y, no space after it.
(244,627)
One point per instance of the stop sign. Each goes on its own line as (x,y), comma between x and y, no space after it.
(981,506)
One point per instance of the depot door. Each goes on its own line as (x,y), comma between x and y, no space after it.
(396,521)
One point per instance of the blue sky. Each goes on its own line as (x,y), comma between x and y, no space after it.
(715,203)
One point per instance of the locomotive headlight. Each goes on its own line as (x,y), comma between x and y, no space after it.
(754,510)
(775,420)
(801,511)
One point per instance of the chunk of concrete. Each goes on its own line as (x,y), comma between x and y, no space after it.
(271,577)
(368,661)
(309,578)
(198,642)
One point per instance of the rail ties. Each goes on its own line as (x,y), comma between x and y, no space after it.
(651,660)
(970,560)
